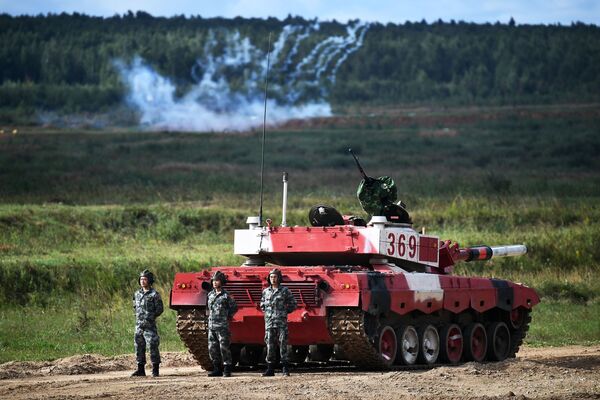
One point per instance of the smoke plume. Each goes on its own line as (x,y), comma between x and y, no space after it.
(229,75)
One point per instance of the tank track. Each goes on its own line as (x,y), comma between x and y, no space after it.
(347,328)
(517,336)
(192,326)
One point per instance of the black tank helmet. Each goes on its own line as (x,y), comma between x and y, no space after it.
(147,274)
(276,272)
(219,276)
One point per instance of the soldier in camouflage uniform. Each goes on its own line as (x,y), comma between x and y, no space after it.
(378,196)
(375,193)
(277,302)
(221,308)
(147,305)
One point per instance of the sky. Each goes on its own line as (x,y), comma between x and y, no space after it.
(397,11)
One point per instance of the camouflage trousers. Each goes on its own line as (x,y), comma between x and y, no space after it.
(277,337)
(219,346)
(150,337)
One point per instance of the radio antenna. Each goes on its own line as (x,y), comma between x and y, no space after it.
(262,156)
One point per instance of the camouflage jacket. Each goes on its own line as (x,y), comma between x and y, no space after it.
(148,306)
(221,308)
(375,194)
(277,304)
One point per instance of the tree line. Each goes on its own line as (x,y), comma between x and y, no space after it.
(64,62)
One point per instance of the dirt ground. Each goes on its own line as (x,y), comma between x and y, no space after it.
(571,372)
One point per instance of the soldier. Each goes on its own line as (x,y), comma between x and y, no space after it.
(148,306)
(221,308)
(378,196)
(277,302)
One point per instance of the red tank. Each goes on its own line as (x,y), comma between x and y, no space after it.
(375,295)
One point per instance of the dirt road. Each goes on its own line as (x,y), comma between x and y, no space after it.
(571,372)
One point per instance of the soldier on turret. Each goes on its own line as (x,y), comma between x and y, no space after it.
(379,196)
(221,308)
(147,305)
(277,302)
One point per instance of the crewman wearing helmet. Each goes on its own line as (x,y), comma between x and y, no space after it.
(277,302)
(147,305)
(221,308)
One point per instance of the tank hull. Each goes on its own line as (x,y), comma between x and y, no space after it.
(360,309)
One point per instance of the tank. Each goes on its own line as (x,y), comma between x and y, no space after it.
(374,294)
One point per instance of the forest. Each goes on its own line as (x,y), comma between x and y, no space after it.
(66,63)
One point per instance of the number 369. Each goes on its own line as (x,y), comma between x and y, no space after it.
(398,247)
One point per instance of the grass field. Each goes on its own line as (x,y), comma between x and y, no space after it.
(81,213)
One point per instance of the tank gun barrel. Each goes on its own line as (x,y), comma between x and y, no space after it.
(479,253)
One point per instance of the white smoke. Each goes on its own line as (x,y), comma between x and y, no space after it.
(229,75)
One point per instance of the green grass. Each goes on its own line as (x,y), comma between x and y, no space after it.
(76,326)
(66,249)
(558,323)
(68,272)
(84,326)
(81,213)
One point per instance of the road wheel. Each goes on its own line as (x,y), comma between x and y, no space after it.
(516,318)
(236,350)
(430,345)
(251,355)
(476,342)
(409,345)
(320,352)
(451,344)
(518,334)
(388,345)
(498,341)
(297,354)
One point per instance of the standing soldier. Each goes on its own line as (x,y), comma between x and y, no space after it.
(148,306)
(221,308)
(277,302)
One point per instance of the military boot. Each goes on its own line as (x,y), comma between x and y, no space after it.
(216,372)
(227,371)
(155,369)
(141,371)
(285,371)
(270,370)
